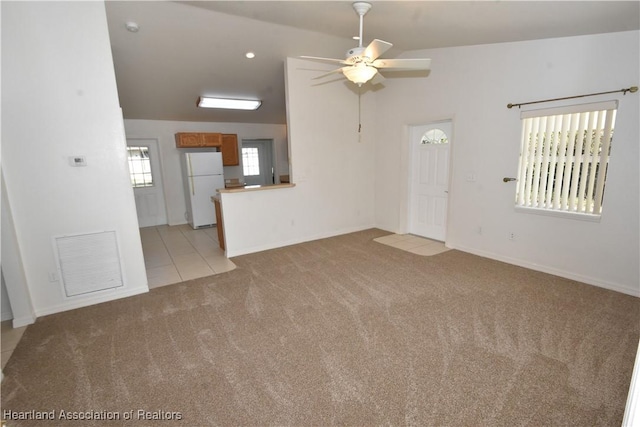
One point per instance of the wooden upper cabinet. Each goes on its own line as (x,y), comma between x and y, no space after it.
(188,140)
(230,149)
(198,139)
(212,139)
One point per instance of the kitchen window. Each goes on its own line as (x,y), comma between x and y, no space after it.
(564,155)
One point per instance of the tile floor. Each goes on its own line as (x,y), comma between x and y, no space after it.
(10,338)
(173,254)
(414,244)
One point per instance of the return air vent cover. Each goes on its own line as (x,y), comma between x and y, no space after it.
(89,262)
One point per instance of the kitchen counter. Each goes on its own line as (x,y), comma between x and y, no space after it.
(234,185)
(255,188)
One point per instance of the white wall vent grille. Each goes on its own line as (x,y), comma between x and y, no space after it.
(89,262)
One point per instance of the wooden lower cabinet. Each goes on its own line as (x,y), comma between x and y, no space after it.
(219,224)
(198,140)
(230,149)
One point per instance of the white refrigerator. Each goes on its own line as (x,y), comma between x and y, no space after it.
(203,175)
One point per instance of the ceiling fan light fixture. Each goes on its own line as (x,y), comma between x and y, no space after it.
(231,104)
(359,73)
(362,63)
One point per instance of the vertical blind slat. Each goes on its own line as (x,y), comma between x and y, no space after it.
(604,160)
(592,154)
(561,160)
(552,160)
(571,139)
(524,162)
(532,144)
(584,171)
(577,163)
(547,140)
(542,125)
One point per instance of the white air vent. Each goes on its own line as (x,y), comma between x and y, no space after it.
(89,262)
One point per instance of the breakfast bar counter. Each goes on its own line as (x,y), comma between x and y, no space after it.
(255,188)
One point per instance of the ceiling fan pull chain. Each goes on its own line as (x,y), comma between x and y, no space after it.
(359,113)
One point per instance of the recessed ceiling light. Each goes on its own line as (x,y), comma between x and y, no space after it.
(250,55)
(232,104)
(132,26)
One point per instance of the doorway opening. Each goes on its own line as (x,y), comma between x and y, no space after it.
(257,162)
(429,183)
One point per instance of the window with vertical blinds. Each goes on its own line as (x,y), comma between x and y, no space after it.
(564,156)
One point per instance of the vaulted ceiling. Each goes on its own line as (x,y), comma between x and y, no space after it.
(183,50)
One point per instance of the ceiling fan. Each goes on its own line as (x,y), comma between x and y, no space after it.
(362,64)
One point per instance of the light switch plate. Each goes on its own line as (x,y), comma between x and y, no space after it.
(77,161)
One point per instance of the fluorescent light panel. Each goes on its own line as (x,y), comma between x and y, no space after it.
(232,104)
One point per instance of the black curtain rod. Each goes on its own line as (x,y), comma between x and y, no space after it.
(632,89)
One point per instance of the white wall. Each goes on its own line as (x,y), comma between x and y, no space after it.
(164,131)
(472,85)
(331,165)
(13,272)
(59,99)
(6,313)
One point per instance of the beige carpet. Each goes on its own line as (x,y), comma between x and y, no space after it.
(340,331)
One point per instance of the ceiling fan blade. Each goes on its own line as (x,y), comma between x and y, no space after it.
(337,70)
(317,58)
(403,64)
(376,48)
(377,79)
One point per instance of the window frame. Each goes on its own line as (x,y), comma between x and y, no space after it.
(540,163)
(250,161)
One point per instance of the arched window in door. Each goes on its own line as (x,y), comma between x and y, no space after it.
(434,136)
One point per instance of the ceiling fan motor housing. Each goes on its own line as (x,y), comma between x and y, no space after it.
(354,55)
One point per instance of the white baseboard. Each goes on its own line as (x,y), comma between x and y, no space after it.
(18,322)
(275,245)
(97,299)
(551,270)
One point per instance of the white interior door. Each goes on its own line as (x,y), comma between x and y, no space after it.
(146,179)
(429,180)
